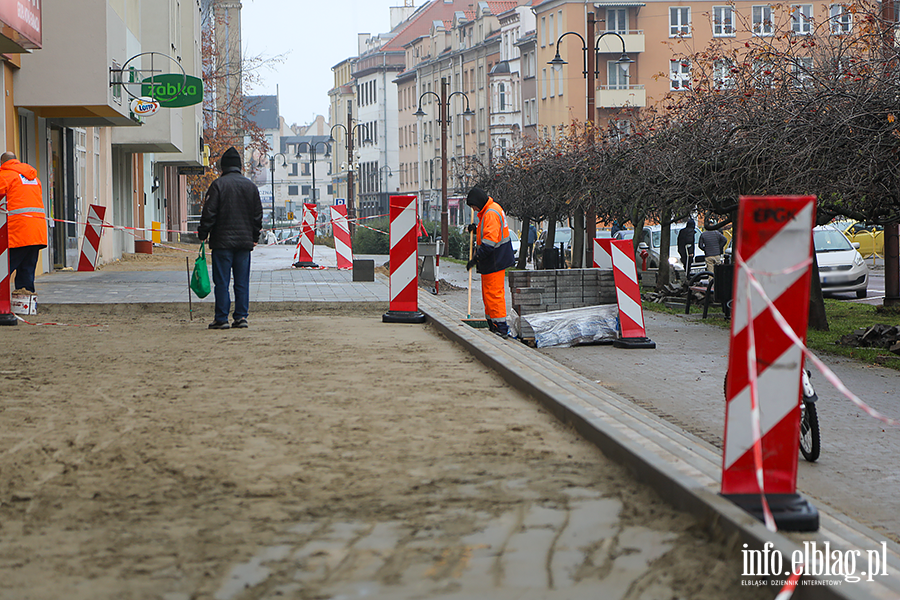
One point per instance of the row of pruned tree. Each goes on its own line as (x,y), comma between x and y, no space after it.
(787,113)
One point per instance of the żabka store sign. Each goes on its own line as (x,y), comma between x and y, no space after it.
(20,21)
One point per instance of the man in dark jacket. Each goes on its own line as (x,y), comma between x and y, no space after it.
(232,218)
(686,246)
(713,243)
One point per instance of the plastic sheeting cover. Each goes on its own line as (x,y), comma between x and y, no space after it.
(565,328)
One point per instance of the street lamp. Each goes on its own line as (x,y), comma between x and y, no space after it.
(311,149)
(261,163)
(591,72)
(349,131)
(442,101)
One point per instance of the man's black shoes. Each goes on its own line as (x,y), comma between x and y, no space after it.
(218,325)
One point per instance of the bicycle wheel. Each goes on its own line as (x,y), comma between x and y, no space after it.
(809,432)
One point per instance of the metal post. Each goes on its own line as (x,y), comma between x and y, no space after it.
(351,210)
(590,216)
(272,168)
(891,231)
(445,204)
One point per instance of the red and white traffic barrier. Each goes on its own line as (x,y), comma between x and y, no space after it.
(6,314)
(619,255)
(90,245)
(404,248)
(602,258)
(762,416)
(303,256)
(343,246)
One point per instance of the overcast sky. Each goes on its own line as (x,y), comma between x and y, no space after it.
(314,35)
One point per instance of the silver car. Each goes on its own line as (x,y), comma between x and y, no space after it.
(841,267)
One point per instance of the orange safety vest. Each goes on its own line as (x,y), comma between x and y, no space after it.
(495,252)
(24,204)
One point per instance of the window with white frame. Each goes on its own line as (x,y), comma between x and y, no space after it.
(617,20)
(723,73)
(559,24)
(723,21)
(622,128)
(616,75)
(679,21)
(801,69)
(763,73)
(560,76)
(501,91)
(543,31)
(679,74)
(841,19)
(552,39)
(762,20)
(801,18)
(543,84)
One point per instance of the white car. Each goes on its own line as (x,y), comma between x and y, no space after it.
(841,267)
(514,240)
(652,237)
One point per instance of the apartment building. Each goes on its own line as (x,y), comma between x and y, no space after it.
(342,109)
(656,36)
(70,95)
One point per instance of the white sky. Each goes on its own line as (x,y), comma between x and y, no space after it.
(314,35)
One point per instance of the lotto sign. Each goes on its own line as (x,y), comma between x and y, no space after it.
(762,416)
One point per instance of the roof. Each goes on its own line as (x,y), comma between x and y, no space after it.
(500,68)
(262,110)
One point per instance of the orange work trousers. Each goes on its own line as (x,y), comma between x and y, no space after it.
(493,293)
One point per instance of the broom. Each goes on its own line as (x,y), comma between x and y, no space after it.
(477,323)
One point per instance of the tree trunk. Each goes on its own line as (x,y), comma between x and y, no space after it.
(578,240)
(665,242)
(818,320)
(523,243)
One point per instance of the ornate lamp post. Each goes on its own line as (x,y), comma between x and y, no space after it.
(349,131)
(591,73)
(442,101)
(311,149)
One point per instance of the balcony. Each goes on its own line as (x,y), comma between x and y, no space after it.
(72,86)
(610,44)
(618,97)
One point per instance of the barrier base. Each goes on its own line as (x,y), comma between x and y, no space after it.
(402,316)
(634,342)
(8,319)
(792,512)
(305,265)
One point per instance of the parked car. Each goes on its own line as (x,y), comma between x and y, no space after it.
(841,266)
(652,236)
(516,244)
(869,237)
(563,237)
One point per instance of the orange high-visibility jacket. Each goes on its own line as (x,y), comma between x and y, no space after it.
(27,221)
(495,251)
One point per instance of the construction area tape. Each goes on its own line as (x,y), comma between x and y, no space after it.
(59,324)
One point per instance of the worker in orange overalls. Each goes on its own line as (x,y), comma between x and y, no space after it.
(27,221)
(493,255)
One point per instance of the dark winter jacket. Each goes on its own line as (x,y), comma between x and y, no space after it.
(232,212)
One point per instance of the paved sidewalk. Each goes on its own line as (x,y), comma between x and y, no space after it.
(272,279)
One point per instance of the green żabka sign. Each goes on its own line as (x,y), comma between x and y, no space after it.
(173,90)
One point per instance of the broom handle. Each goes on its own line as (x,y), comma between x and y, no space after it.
(471,241)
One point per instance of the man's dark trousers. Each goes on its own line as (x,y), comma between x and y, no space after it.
(23,261)
(224,263)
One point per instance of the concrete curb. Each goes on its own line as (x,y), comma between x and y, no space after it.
(656,452)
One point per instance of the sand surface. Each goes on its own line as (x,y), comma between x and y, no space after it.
(144,456)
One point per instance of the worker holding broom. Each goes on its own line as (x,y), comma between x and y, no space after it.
(493,255)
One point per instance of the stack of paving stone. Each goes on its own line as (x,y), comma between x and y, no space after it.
(560,289)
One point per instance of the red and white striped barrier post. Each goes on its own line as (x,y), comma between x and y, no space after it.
(307,238)
(602,259)
(762,415)
(343,246)
(90,245)
(6,314)
(404,259)
(620,254)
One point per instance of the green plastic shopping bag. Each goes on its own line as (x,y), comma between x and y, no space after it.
(200,277)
